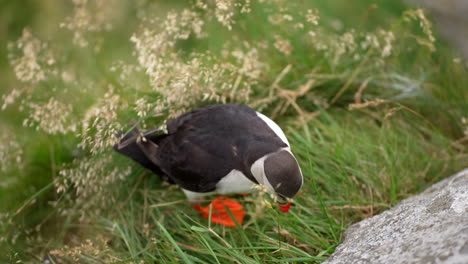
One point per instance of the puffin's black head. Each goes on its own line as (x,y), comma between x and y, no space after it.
(284,176)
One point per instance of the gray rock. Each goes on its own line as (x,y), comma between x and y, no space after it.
(431,227)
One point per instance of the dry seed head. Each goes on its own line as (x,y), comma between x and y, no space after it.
(89,17)
(426,26)
(264,197)
(349,41)
(94,180)
(200,4)
(142,107)
(147,229)
(392,112)
(180,26)
(245,8)
(260,188)
(370,41)
(281,19)
(465,126)
(183,82)
(276,19)
(299,26)
(224,12)
(388,39)
(100,124)
(10,98)
(11,152)
(366,104)
(28,66)
(287,17)
(249,63)
(283,45)
(313,17)
(89,249)
(52,117)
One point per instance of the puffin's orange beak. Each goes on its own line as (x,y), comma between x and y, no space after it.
(284,207)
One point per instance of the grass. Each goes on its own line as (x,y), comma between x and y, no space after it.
(358,161)
(352,172)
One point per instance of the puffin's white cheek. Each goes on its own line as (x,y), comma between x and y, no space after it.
(258,170)
(267,184)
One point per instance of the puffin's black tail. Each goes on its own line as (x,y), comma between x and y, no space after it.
(142,148)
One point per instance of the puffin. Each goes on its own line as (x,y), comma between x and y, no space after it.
(218,149)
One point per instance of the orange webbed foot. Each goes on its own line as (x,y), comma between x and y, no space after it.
(219,213)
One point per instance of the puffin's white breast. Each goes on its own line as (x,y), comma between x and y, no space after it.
(234,182)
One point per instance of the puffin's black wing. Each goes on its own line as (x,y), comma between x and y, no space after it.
(193,164)
(204,145)
(129,147)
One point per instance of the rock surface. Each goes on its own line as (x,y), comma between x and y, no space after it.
(431,227)
(451,17)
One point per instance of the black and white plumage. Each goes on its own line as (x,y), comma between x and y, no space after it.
(218,149)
